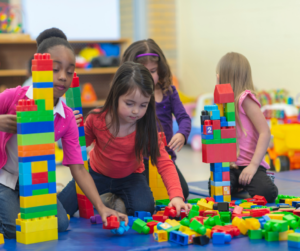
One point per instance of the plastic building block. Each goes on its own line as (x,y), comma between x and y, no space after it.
(241,224)
(208,128)
(201,240)
(219,153)
(160,235)
(228,132)
(261,199)
(229,229)
(193,212)
(283,236)
(293,244)
(259,212)
(121,230)
(272,236)
(221,206)
(216,124)
(131,219)
(225,217)
(276,226)
(36,237)
(26,105)
(141,214)
(140,226)
(204,116)
(221,238)
(1,239)
(215,115)
(213,221)
(223,94)
(292,221)
(252,223)
(295,237)
(255,234)
(112,223)
(179,238)
(96,219)
(197,227)
(163,226)
(151,225)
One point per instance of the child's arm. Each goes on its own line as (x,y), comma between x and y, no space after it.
(183,120)
(257,118)
(8,122)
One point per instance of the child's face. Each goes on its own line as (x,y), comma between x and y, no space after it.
(152,67)
(132,106)
(63,69)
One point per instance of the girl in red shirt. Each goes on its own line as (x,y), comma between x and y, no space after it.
(125,131)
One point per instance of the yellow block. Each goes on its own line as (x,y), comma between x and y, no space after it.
(212,176)
(37,224)
(240,224)
(173,223)
(191,235)
(39,167)
(160,235)
(246,205)
(1,239)
(86,165)
(208,233)
(78,190)
(44,93)
(183,229)
(203,205)
(212,190)
(221,109)
(252,223)
(38,200)
(227,198)
(42,76)
(35,237)
(276,216)
(283,236)
(218,190)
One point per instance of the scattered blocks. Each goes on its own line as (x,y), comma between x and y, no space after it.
(221,238)
(140,226)
(112,223)
(121,230)
(96,219)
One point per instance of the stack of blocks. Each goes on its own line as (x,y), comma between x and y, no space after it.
(73,98)
(219,140)
(37,178)
(156,183)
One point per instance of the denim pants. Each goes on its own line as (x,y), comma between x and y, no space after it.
(10,207)
(133,190)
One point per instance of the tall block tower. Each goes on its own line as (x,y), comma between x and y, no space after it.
(73,97)
(37,177)
(219,140)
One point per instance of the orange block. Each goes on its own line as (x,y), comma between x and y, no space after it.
(36,150)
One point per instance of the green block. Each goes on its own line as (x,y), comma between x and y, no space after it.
(35,139)
(230,116)
(38,209)
(38,214)
(292,221)
(74,102)
(185,222)
(211,141)
(140,226)
(225,217)
(213,221)
(229,107)
(197,227)
(294,237)
(40,104)
(193,201)
(225,164)
(162,202)
(51,176)
(82,142)
(40,191)
(152,220)
(226,141)
(193,213)
(276,226)
(176,228)
(255,234)
(217,134)
(73,93)
(272,236)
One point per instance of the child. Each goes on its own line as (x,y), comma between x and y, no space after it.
(167,101)
(51,41)
(124,130)
(253,133)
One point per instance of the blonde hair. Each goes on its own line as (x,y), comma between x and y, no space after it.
(234,68)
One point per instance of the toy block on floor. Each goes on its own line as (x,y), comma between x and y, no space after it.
(1,239)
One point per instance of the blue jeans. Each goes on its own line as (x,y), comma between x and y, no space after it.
(10,207)
(133,190)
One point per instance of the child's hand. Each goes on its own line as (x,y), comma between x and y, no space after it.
(106,212)
(8,123)
(177,142)
(247,175)
(77,117)
(179,204)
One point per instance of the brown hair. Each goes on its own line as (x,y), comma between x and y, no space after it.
(234,68)
(149,46)
(128,78)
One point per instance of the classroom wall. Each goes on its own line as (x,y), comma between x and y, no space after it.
(266,32)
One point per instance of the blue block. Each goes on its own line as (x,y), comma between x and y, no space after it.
(37,158)
(253,206)
(294,203)
(52,187)
(215,115)
(160,208)
(25,167)
(121,230)
(78,109)
(43,85)
(35,127)
(266,218)
(220,184)
(25,191)
(179,238)
(223,122)
(81,131)
(211,108)
(231,123)
(218,176)
(84,155)
(51,165)
(283,204)
(226,169)
(220,238)
(204,136)
(131,219)
(209,130)
(18,228)
(142,214)
(297,230)
(83,148)
(293,244)
(216,167)
(237,202)
(201,128)
(218,198)
(25,179)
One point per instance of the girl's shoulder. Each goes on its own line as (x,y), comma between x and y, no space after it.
(171,91)
(247,95)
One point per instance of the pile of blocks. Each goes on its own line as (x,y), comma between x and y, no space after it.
(218,134)
(73,98)
(37,171)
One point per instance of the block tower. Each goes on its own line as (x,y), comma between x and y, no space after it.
(37,178)
(156,183)
(86,209)
(219,140)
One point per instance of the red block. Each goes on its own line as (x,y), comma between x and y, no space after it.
(240,215)
(42,62)
(210,213)
(112,223)
(26,105)
(297,212)
(39,178)
(260,199)
(170,211)
(207,128)
(81,122)
(226,176)
(75,81)
(151,225)
(86,209)
(216,124)
(159,217)
(209,199)
(237,210)
(259,212)
(228,132)
(215,153)
(199,218)
(228,229)
(223,94)
(183,214)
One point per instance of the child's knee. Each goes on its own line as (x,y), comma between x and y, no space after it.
(63,223)
(269,191)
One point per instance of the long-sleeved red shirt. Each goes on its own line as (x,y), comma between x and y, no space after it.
(117,158)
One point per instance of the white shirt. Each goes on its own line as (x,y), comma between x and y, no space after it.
(9,174)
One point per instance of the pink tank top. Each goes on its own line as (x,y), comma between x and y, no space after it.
(247,143)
